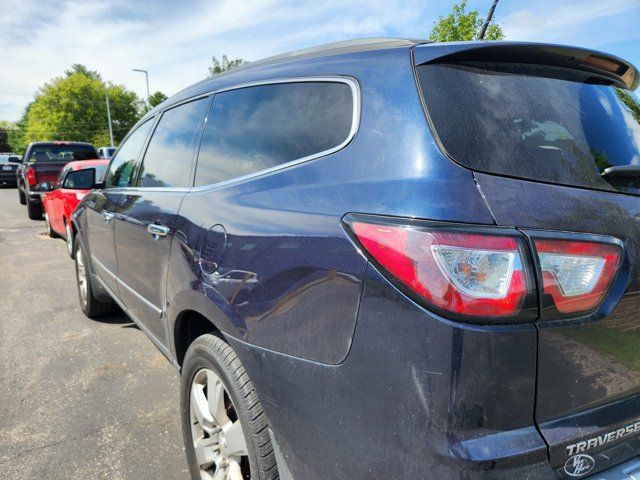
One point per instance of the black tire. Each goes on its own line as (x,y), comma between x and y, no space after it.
(22,197)
(34,210)
(50,231)
(90,305)
(213,353)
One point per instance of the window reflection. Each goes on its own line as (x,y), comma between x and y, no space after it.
(256,128)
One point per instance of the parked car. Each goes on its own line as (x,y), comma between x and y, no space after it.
(106,152)
(8,166)
(387,259)
(73,183)
(41,163)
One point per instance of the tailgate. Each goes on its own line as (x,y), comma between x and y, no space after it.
(553,136)
(47,171)
(588,395)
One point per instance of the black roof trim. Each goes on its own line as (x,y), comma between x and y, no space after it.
(619,71)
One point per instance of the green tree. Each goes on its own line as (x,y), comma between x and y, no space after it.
(157,98)
(73,107)
(17,131)
(5,128)
(631,101)
(461,25)
(226,64)
(79,68)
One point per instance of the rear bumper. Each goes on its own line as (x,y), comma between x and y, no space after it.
(417,397)
(35,197)
(629,470)
(8,178)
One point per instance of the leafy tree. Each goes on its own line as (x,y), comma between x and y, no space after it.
(73,107)
(631,101)
(5,128)
(17,131)
(157,98)
(226,64)
(460,26)
(79,68)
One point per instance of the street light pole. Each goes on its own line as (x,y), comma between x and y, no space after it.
(146,74)
(109,119)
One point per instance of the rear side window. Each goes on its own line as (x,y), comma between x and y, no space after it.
(169,156)
(123,165)
(541,123)
(256,128)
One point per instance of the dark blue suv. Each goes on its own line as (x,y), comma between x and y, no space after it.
(387,259)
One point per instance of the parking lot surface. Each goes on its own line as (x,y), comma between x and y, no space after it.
(79,399)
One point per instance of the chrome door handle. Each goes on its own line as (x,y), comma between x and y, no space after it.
(157,231)
(108,216)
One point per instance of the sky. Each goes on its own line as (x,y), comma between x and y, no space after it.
(175,40)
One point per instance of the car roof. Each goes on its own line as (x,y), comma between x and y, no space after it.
(329,49)
(252,70)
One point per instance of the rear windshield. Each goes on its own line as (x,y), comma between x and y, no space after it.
(61,153)
(540,123)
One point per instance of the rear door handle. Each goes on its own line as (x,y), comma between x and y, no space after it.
(157,231)
(108,216)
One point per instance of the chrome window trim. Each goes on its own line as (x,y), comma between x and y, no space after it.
(150,305)
(157,310)
(355,125)
(165,351)
(103,267)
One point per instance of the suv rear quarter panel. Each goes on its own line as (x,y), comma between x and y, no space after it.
(283,228)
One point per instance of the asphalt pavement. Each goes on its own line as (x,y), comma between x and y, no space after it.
(79,398)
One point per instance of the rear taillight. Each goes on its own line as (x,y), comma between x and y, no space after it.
(487,274)
(467,274)
(576,275)
(30,175)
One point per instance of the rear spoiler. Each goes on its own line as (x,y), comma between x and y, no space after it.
(619,71)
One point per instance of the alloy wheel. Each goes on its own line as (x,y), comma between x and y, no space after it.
(82,276)
(218,440)
(69,239)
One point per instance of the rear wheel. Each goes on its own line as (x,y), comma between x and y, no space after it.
(34,210)
(90,305)
(50,231)
(69,239)
(22,197)
(225,430)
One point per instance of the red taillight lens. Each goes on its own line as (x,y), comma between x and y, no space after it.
(577,275)
(30,175)
(470,274)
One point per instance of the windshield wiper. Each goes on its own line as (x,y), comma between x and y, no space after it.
(625,178)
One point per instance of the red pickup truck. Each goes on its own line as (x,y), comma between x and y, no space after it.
(41,163)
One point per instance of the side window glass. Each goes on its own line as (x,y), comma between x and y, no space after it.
(169,156)
(123,165)
(256,128)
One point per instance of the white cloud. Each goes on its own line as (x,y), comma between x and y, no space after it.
(562,22)
(175,40)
